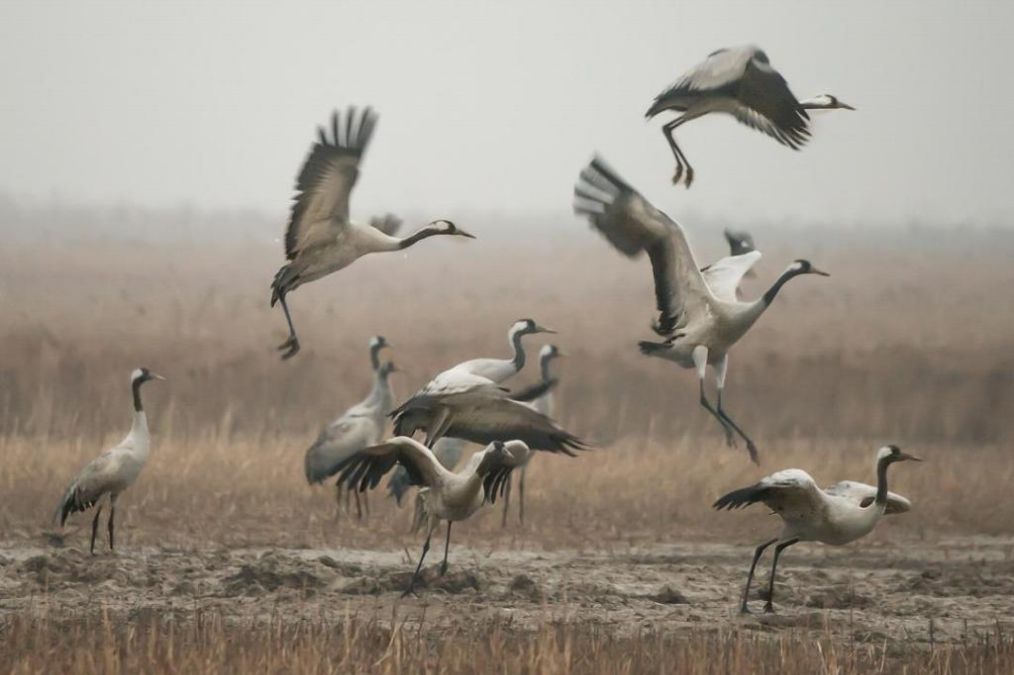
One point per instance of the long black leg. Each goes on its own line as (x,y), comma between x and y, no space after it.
(359,506)
(447,546)
(707,406)
(95,528)
(426,547)
(750,446)
(521,495)
(112,515)
(506,502)
(292,344)
(743,609)
(769,607)
(681,159)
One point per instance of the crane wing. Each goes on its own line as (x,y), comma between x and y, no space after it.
(320,211)
(632,225)
(364,469)
(764,102)
(93,481)
(724,276)
(447,451)
(788,491)
(864,495)
(337,442)
(716,74)
(495,465)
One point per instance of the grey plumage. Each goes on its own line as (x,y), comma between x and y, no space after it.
(739,81)
(358,427)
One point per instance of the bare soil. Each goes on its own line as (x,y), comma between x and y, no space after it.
(947,591)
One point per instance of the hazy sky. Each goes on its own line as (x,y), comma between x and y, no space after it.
(496,106)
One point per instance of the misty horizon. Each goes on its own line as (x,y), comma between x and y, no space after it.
(493,109)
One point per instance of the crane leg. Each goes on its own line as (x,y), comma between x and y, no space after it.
(521,495)
(681,160)
(447,546)
(415,576)
(112,516)
(95,528)
(751,447)
(721,368)
(506,502)
(290,346)
(700,356)
(769,606)
(743,609)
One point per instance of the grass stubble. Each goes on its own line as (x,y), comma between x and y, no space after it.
(837,368)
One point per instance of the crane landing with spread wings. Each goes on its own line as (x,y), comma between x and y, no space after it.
(739,81)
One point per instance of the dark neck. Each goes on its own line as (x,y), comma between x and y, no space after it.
(375,357)
(418,235)
(136,386)
(545,369)
(769,296)
(882,482)
(519,351)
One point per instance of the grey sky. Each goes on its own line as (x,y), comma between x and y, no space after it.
(495,106)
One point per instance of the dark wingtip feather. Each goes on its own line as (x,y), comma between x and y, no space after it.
(738,499)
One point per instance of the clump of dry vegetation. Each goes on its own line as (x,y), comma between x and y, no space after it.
(208,643)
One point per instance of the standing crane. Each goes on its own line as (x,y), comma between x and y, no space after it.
(540,398)
(114,470)
(321,238)
(700,316)
(836,516)
(358,427)
(739,81)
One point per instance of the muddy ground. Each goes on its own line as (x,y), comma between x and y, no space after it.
(943,591)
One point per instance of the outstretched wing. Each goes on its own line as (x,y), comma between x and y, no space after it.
(364,469)
(724,276)
(321,206)
(764,102)
(714,75)
(336,443)
(864,495)
(632,225)
(785,492)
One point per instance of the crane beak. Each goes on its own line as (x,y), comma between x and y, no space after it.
(543,329)
(845,105)
(156,376)
(814,270)
(905,456)
(461,233)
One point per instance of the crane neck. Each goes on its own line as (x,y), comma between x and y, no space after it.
(544,364)
(769,295)
(381,396)
(881,499)
(418,235)
(375,356)
(514,337)
(136,387)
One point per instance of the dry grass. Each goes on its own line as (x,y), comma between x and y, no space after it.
(208,643)
(899,345)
